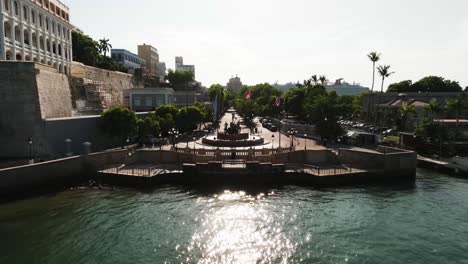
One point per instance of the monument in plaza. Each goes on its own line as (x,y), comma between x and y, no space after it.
(232,137)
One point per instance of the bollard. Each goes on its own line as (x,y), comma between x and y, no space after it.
(87,148)
(68,152)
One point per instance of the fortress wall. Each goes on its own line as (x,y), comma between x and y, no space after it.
(113,87)
(54,93)
(20,111)
(34,98)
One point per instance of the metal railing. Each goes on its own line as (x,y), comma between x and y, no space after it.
(328,171)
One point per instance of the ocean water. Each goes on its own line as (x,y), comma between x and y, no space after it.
(424,222)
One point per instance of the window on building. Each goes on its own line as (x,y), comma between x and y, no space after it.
(53,27)
(149,101)
(47,23)
(16,8)
(160,99)
(137,101)
(25,13)
(40,20)
(33,17)
(5,3)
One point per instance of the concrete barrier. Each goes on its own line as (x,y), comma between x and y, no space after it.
(21,179)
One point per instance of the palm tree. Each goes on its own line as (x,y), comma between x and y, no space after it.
(434,108)
(405,110)
(384,72)
(104,46)
(322,79)
(456,106)
(315,79)
(374,57)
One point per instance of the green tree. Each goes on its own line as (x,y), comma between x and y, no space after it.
(433,109)
(188,118)
(455,107)
(147,126)
(314,79)
(166,123)
(374,57)
(323,80)
(179,78)
(405,111)
(85,49)
(104,46)
(435,84)
(294,102)
(163,110)
(401,87)
(384,72)
(324,114)
(432,132)
(119,123)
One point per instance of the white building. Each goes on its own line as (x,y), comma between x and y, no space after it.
(36,30)
(162,71)
(179,66)
(234,85)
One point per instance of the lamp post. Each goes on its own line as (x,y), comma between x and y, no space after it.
(31,159)
(305,141)
(174,133)
(194,141)
(272,142)
(68,146)
(160,141)
(291,133)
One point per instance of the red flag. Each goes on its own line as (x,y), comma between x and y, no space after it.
(248,95)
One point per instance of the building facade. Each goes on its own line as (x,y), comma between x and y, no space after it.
(162,71)
(234,85)
(127,59)
(36,30)
(147,99)
(185,98)
(151,57)
(179,66)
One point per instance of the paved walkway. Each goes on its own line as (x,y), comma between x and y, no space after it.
(271,138)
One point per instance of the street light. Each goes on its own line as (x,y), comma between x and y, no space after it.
(30,142)
(160,141)
(194,141)
(174,133)
(272,142)
(291,133)
(305,141)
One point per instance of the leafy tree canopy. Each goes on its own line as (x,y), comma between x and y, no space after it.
(426,84)
(401,87)
(88,51)
(179,77)
(119,122)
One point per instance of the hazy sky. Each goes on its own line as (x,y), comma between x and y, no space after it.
(289,40)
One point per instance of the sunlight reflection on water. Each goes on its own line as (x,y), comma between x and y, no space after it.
(240,228)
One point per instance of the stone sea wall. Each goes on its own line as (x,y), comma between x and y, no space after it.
(33,96)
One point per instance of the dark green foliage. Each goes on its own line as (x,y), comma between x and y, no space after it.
(262,102)
(432,132)
(148,126)
(401,87)
(119,123)
(88,51)
(178,78)
(324,113)
(164,110)
(426,84)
